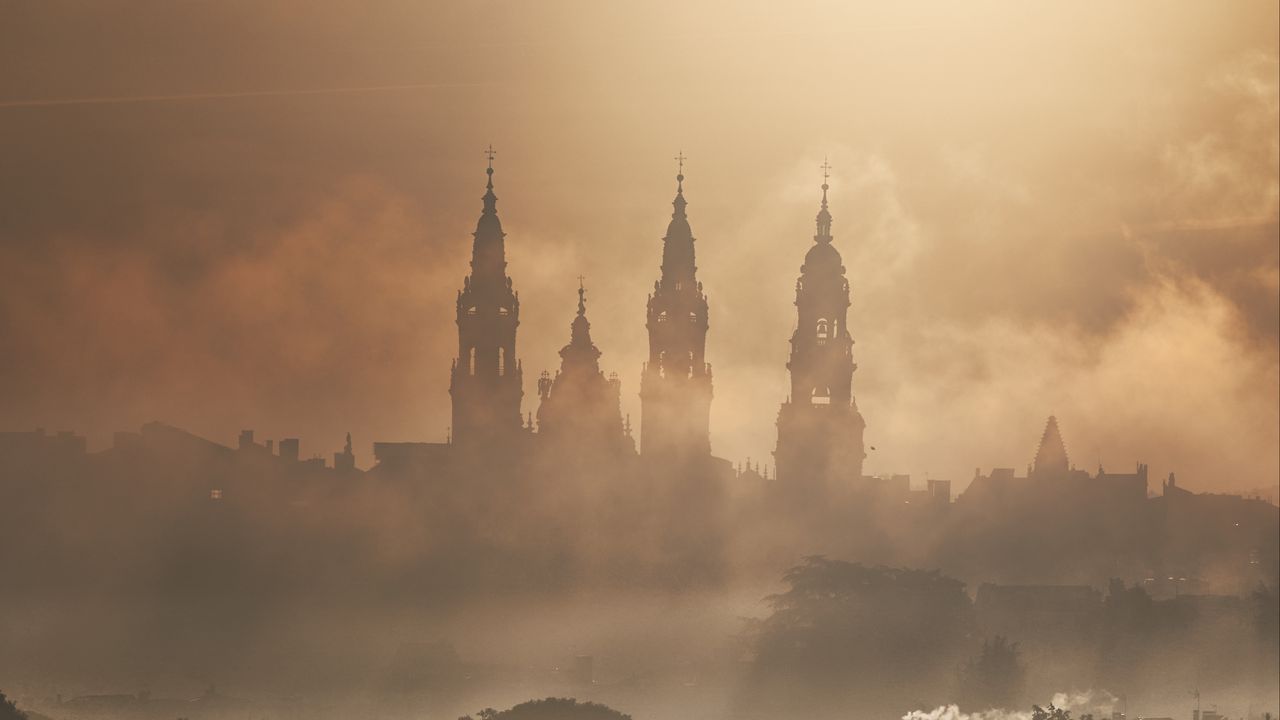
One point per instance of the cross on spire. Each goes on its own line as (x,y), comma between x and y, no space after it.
(680,158)
(489,153)
(826,172)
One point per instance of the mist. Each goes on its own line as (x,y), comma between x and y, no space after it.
(259,215)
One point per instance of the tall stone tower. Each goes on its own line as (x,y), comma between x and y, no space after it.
(580,408)
(486,377)
(675,385)
(819,426)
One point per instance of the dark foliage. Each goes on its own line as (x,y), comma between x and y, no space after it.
(993,679)
(1053,713)
(551,709)
(847,636)
(10,711)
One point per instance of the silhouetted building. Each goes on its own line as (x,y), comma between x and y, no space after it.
(1051,477)
(345,461)
(579,407)
(486,377)
(675,385)
(819,426)
(289,449)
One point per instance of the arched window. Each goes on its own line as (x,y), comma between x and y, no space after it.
(471,310)
(502,361)
(662,316)
(472,362)
(824,330)
(504,312)
(693,317)
(820,396)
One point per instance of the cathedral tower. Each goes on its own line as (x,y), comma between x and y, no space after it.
(580,408)
(675,385)
(819,426)
(486,377)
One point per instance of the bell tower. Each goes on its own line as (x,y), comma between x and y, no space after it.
(675,385)
(486,377)
(819,427)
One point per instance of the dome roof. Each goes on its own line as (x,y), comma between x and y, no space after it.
(822,257)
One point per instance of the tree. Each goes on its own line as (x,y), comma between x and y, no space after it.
(1053,713)
(847,638)
(551,709)
(10,711)
(994,679)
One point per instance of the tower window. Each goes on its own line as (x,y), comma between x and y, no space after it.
(502,361)
(662,316)
(820,396)
(693,317)
(471,366)
(471,310)
(824,330)
(504,312)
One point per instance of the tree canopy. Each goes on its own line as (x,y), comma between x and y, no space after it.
(10,711)
(551,709)
(846,635)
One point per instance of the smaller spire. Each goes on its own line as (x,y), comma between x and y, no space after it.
(580,345)
(824,216)
(490,200)
(679,203)
(1051,456)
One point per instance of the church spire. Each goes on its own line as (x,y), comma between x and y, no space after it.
(678,268)
(488,255)
(675,387)
(820,431)
(1051,456)
(580,409)
(824,216)
(580,346)
(679,202)
(486,376)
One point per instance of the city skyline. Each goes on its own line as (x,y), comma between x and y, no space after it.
(1023,235)
(631,405)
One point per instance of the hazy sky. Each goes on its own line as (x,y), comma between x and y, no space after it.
(1043,207)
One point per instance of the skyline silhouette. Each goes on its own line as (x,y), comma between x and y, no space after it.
(251,263)
(502,360)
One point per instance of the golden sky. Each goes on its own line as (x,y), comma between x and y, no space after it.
(1063,208)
